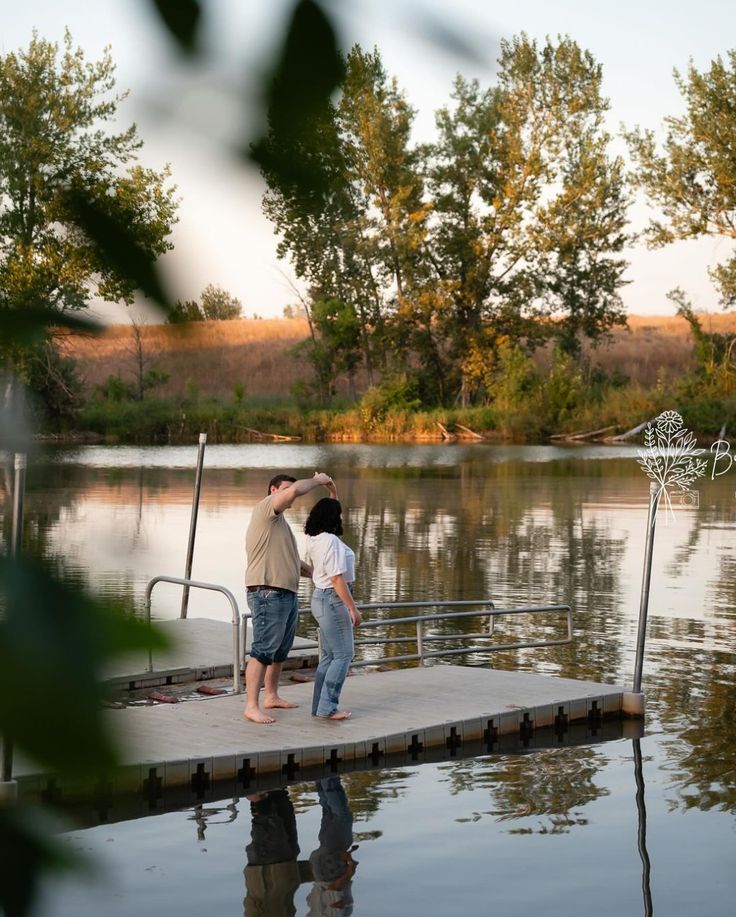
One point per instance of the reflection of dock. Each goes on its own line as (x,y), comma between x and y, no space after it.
(402,716)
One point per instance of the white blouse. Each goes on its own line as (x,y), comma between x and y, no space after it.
(329,556)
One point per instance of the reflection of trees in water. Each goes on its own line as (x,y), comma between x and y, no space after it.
(518,534)
(724,590)
(368,790)
(698,708)
(551,786)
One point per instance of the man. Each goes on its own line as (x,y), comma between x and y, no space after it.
(272,580)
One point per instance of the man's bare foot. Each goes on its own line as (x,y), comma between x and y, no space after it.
(255,716)
(272,702)
(337,715)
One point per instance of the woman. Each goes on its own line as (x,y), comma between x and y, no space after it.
(333,607)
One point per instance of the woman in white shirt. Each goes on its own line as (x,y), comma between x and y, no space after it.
(333,573)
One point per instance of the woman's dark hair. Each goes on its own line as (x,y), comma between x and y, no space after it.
(325,516)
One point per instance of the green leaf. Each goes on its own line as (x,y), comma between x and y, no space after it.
(182,18)
(25,326)
(117,246)
(55,642)
(27,850)
(307,72)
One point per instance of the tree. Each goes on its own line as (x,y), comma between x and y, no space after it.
(529,211)
(185,311)
(217,304)
(692,178)
(145,376)
(56,157)
(510,225)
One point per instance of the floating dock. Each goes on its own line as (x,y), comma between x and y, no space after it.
(201,649)
(178,754)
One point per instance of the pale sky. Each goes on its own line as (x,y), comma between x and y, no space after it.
(191,116)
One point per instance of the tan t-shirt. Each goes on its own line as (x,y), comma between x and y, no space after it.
(271,551)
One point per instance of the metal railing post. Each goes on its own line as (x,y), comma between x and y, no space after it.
(193,524)
(654,493)
(420,642)
(16,541)
(213,587)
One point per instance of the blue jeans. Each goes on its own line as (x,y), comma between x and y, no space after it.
(336,631)
(275,614)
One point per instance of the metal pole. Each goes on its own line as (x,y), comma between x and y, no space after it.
(193,524)
(16,540)
(654,493)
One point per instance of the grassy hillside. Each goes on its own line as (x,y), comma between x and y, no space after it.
(209,358)
(212,358)
(230,379)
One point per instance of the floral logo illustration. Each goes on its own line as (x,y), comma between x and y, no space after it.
(671,458)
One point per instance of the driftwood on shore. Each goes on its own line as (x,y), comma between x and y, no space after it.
(581,435)
(622,437)
(465,433)
(468,433)
(272,437)
(446,435)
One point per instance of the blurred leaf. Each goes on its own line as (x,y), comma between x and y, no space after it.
(54,644)
(182,19)
(27,325)
(117,246)
(307,72)
(27,850)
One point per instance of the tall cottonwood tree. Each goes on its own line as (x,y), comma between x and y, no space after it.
(514,216)
(691,177)
(529,211)
(57,148)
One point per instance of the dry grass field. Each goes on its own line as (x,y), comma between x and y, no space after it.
(212,358)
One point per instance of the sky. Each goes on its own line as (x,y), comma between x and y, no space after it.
(196,117)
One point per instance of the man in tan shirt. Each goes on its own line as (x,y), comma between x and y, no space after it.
(272,580)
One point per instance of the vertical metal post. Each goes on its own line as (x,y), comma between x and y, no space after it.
(420,642)
(654,493)
(16,540)
(193,524)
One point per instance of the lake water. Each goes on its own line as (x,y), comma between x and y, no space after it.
(622,827)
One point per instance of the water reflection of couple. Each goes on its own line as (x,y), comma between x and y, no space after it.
(274,873)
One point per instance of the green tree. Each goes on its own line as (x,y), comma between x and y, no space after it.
(182,311)
(55,153)
(691,178)
(217,304)
(515,215)
(529,211)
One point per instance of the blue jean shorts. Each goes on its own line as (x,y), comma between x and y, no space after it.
(275,613)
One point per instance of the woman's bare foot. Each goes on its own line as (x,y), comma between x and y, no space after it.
(271,702)
(256,716)
(337,715)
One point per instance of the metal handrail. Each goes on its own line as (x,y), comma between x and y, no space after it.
(482,608)
(193,584)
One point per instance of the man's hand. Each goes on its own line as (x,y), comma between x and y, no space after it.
(321,478)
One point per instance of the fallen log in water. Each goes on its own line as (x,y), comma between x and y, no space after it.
(273,437)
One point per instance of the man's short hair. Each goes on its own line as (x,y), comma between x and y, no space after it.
(278,481)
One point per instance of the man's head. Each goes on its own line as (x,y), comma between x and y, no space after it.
(278,482)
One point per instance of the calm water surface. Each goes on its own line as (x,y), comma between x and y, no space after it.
(623,827)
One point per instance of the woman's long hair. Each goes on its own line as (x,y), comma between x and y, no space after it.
(325,516)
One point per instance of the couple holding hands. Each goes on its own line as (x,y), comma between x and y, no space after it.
(272,580)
